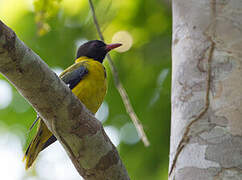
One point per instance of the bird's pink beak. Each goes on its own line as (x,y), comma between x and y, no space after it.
(109,47)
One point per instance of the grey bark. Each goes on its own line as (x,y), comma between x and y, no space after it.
(82,136)
(206,132)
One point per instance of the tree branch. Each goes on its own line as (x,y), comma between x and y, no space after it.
(119,86)
(82,136)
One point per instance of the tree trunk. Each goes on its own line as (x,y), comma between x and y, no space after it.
(206,132)
(82,136)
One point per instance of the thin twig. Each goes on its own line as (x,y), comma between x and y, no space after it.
(119,85)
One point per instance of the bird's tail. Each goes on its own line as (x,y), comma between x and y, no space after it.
(37,144)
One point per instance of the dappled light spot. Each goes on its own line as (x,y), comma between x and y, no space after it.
(10,10)
(123,37)
(103,112)
(32,178)
(11,165)
(29,5)
(113,134)
(129,134)
(5,94)
(53,163)
(57,70)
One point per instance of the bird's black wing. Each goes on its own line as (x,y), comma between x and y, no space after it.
(73,77)
(51,140)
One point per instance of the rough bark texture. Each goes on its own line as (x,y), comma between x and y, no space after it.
(82,136)
(206,133)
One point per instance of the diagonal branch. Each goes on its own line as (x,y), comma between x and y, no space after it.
(91,151)
(119,86)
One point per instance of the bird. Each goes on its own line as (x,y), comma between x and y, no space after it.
(87,80)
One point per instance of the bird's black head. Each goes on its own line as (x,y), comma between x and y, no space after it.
(95,49)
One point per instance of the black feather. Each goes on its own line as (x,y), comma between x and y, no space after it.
(74,77)
(51,140)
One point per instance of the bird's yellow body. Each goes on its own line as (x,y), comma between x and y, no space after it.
(91,90)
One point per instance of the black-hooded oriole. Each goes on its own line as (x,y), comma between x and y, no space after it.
(87,80)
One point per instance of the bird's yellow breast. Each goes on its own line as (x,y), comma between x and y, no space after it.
(91,90)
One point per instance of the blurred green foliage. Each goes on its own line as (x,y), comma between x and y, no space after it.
(44,10)
(145,69)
